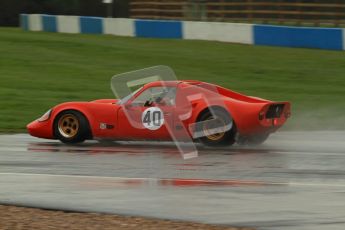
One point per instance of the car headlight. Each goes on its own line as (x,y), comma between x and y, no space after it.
(45,116)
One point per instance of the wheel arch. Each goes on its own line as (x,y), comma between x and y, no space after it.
(209,108)
(215,107)
(82,112)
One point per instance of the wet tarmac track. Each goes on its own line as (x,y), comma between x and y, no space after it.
(296,180)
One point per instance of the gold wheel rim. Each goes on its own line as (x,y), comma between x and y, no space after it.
(68,126)
(214,136)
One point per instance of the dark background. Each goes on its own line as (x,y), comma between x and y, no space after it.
(10,9)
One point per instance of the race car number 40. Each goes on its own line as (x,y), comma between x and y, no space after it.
(152,118)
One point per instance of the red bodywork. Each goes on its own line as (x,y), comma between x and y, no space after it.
(250,115)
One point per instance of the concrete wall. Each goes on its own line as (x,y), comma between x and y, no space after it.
(302,37)
(119,26)
(68,24)
(218,31)
(35,22)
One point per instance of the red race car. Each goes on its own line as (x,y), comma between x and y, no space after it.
(166,111)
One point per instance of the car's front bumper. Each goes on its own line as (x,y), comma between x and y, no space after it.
(40,129)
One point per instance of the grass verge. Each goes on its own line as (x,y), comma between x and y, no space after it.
(39,70)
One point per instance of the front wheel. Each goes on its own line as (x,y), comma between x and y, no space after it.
(71,127)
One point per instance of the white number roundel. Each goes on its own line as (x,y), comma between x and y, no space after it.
(152,118)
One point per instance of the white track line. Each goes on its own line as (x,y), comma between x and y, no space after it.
(296,184)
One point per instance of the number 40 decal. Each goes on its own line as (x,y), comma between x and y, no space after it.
(152,118)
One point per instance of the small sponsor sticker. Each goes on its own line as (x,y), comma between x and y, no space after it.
(103,126)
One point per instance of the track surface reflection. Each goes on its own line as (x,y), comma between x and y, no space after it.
(294,181)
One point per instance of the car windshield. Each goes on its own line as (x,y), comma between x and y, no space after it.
(123,84)
(125,99)
(159,95)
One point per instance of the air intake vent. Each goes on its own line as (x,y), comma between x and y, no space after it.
(275,111)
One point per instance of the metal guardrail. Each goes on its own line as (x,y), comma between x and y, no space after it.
(311,12)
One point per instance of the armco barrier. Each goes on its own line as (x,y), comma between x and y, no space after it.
(158,29)
(302,37)
(49,23)
(91,25)
(323,38)
(343,39)
(24,22)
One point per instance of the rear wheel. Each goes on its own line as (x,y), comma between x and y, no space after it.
(71,127)
(222,119)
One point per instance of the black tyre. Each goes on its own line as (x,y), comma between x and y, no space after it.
(222,119)
(71,127)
